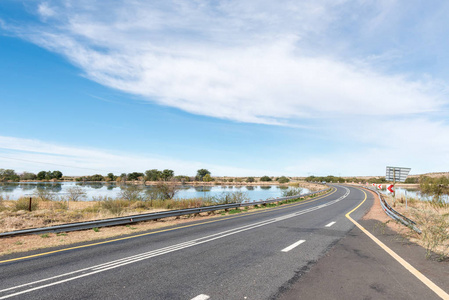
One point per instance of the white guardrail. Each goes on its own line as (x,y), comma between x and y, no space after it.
(395,215)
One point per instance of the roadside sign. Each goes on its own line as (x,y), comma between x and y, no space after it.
(379,186)
(390,188)
(397,174)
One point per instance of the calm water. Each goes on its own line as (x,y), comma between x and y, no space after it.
(14,191)
(412,193)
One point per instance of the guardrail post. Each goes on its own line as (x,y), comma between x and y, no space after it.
(29,206)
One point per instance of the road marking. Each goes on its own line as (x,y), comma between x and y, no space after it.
(330,224)
(201,297)
(171,229)
(292,246)
(436,289)
(29,287)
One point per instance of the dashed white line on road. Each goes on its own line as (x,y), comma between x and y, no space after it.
(330,224)
(292,246)
(201,297)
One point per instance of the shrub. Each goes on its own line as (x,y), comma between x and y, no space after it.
(115,206)
(131,193)
(250,179)
(231,197)
(435,234)
(24,204)
(2,205)
(76,193)
(283,179)
(292,192)
(265,178)
(44,194)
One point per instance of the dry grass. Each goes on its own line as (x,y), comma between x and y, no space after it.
(50,214)
(431,218)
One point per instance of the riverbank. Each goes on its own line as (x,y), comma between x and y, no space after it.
(84,211)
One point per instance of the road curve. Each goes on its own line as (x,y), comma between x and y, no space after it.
(253,255)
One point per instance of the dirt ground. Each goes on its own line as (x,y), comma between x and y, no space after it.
(32,242)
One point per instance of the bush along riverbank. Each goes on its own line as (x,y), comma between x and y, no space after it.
(50,213)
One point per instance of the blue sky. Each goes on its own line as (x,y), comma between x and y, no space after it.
(242,88)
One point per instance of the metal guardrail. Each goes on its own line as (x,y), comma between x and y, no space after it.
(395,215)
(146,217)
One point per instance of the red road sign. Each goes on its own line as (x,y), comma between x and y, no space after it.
(379,186)
(390,188)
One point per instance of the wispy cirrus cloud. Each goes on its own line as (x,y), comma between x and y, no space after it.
(237,60)
(357,70)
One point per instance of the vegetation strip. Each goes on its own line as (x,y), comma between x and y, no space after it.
(146,217)
(441,293)
(329,192)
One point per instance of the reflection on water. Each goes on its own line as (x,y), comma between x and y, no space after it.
(412,193)
(93,190)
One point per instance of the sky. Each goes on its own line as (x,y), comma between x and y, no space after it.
(241,88)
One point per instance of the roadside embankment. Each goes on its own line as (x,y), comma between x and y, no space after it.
(431,218)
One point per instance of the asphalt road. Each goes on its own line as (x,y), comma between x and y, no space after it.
(255,255)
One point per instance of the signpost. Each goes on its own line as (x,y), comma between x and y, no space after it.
(396,174)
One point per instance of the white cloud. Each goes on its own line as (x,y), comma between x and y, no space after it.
(259,62)
(34,155)
(45,10)
(237,60)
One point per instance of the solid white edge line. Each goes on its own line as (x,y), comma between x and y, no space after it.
(201,297)
(330,224)
(292,246)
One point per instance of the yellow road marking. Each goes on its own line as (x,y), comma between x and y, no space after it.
(436,289)
(168,229)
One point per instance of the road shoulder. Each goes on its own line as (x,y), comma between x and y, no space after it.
(358,268)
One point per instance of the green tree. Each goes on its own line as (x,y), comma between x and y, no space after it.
(111,177)
(250,179)
(135,176)
(95,177)
(207,178)
(283,179)
(167,175)
(8,174)
(41,175)
(201,173)
(153,175)
(56,174)
(28,176)
(265,178)
(435,187)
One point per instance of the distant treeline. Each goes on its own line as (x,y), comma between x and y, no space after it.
(203,175)
(11,175)
(336,179)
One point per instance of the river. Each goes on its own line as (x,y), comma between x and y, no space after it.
(13,191)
